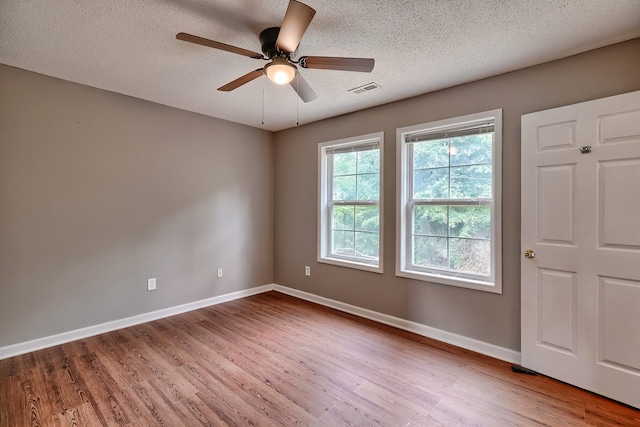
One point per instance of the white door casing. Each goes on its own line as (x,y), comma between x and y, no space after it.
(581,217)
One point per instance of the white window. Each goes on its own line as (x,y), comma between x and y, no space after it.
(449,185)
(350,212)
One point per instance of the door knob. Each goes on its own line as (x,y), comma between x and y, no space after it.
(529,254)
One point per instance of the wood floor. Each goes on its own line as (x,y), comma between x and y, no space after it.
(274,360)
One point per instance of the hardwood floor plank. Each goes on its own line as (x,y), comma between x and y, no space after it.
(81,415)
(25,401)
(202,413)
(120,365)
(274,360)
(162,370)
(202,336)
(320,371)
(62,397)
(8,367)
(548,411)
(48,395)
(157,338)
(75,349)
(609,414)
(342,359)
(242,351)
(73,382)
(420,374)
(297,389)
(220,399)
(197,348)
(565,394)
(358,411)
(140,422)
(253,329)
(404,406)
(271,404)
(157,409)
(273,321)
(244,322)
(112,400)
(4,402)
(17,365)
(458,409)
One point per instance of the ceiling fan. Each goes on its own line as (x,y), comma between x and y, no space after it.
(279,45)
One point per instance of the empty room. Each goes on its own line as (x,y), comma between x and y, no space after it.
(322,213)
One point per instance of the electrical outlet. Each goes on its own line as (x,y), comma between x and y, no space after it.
(307,270)
(219,273)
(151,284)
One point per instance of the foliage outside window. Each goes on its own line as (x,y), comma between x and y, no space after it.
(449,212)
(350,217)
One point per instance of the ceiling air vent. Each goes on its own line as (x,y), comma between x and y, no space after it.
(365,88)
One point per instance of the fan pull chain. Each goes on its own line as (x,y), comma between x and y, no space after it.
(297,101)
(262,102)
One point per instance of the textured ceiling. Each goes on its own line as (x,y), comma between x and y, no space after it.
(419,46)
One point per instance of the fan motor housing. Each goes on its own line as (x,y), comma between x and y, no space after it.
(268,40)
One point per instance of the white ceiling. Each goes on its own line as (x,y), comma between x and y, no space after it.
(419,46)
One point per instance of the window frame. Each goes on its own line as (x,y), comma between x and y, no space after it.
(325,187)
(405,204)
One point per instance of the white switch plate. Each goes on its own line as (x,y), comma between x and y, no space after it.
(219,273)
(307,270)
(151,284)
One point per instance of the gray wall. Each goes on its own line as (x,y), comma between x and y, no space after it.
(100,191)
(487,317)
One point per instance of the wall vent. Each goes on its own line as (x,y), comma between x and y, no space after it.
(365,88)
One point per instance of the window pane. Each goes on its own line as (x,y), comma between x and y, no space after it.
(431,183)
(471,150)
(344,187)
(430,251)
(349,208)
(470,221)
(344,163)
(369,161)
(471,181)
(431,220)
(367,218)
(343,217)
(470,256)
(367,245)
(447,202)
(343,243)
(369,186)
(431,154)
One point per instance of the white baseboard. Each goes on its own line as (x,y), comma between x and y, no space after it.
(407,325)
(65,337)
(481,347)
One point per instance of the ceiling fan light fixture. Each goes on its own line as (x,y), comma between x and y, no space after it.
(279,45)
(280,71)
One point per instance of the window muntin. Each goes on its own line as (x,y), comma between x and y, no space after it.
(349,231)
(449,228)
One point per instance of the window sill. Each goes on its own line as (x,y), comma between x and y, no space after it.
(459,282)
(351,264)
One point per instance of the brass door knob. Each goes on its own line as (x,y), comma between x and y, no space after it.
(529,254)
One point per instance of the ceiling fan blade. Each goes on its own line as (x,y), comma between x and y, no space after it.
(295,23)
(364,65)
(217,45)
(242,80)
(302,88)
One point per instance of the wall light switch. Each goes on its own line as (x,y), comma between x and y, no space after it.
(307,270)
(219,273)
(151,284)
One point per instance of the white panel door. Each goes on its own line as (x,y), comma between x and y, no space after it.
(581,220)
